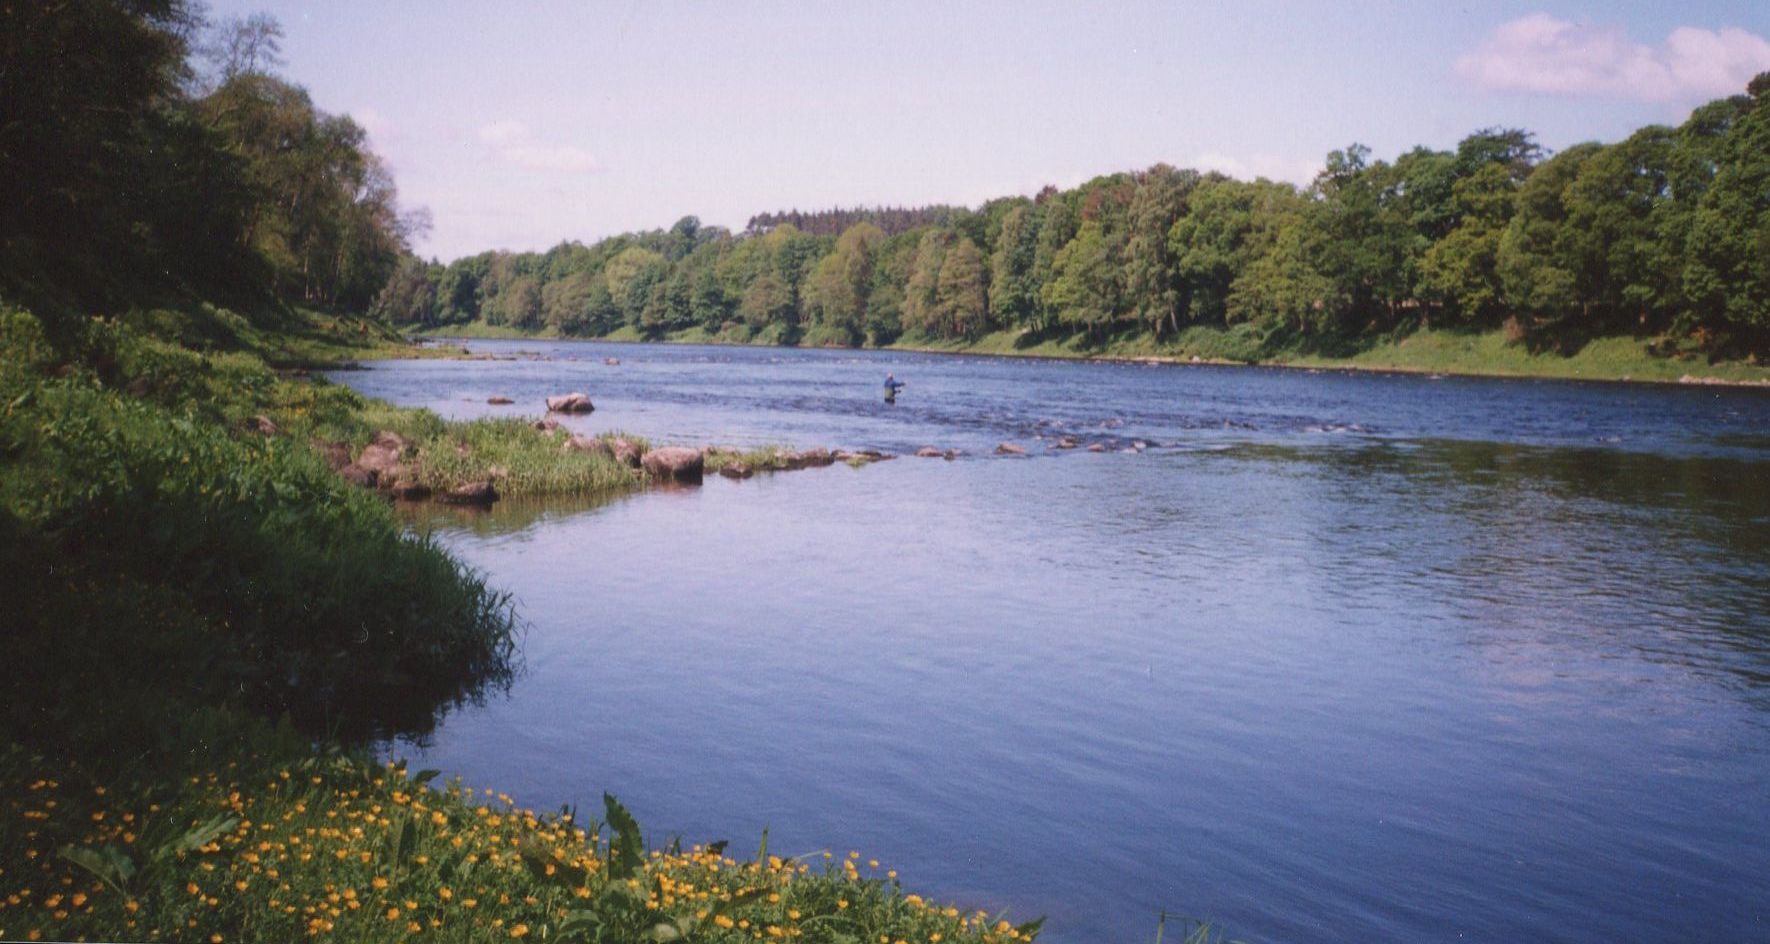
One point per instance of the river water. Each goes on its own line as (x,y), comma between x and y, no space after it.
(1331,657)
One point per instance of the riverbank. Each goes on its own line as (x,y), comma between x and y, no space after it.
(170,492)
(1431,351)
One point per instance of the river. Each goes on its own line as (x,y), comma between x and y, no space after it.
(1316,656)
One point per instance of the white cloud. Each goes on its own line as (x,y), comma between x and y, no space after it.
(1542,54)
(517,144)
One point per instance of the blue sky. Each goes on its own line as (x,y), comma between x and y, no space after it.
(522,124)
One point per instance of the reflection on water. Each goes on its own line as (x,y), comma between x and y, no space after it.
(1331,658)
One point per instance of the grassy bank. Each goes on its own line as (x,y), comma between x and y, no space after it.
(203,616)
(1481,354)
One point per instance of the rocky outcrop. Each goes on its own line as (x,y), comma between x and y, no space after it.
(675,464)
(1010,449)
(570,403)
(470,493)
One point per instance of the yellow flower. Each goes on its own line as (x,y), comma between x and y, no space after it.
(378,882)
(519,930)
(393,914)
(723,921)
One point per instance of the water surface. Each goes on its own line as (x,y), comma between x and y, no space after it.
(1330,657)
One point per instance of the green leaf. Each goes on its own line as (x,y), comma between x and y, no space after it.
(426,775)
(626,854)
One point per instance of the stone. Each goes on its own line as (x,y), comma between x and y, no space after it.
(546,425)
(335,454)
(471,493)
(612,361)
(626,452)
(807,458)
(736,470)
(1009,449)
(261,425)
(499,401)
(384,453)
(929,452)
(570,403)
(409,489)
(675,464)
(1096,447)
(1067,442)
(589,444)
(358,476)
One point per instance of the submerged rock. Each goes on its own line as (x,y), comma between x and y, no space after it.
(1010,449)
(570,403)
(1096,447)
(499,401)
(929,452)
(736,470)
(675,464)
(1067,442)
(807,459)
(471,493)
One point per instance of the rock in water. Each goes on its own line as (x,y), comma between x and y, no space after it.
(1067,442)
(736,470)
(929,452)
(1096,447)
(472,493)
(675,464)
(500,401)
(1009,449)
(570,403)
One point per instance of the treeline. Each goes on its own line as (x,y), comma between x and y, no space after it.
(891,220)
(145,153)
(1664,234)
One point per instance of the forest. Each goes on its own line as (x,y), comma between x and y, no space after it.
(1664,235)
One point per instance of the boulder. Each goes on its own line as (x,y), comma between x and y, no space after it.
(674,464)
(260,425)
(1009,449)
(471,493)
(336,454)
(385,453)
(929,452)
(807,459)
(587,444)
(570,403)
(358,476)
(546,425)
(626,452)
(1067,442)
(407,488)
(499,401)
(1096,447)
(736,470)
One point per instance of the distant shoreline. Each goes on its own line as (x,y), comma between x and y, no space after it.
(1576,367)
